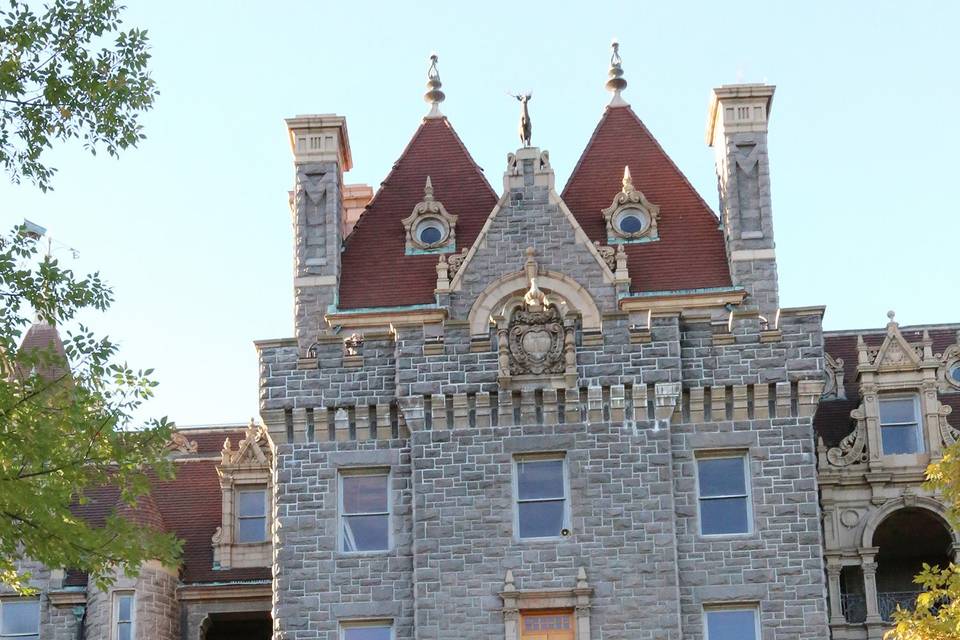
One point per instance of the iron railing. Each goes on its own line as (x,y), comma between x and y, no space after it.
(854,607)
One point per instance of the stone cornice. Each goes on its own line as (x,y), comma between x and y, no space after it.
(679,302)
(225,591)
(67,598)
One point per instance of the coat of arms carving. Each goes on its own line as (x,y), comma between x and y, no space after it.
(536,342)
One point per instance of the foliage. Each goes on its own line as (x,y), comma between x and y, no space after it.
(66,432)
(58,83)
(936,615)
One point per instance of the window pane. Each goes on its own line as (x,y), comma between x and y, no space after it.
(364,494)
(732,625)
(539,479)
(897,410)
(540,519)
(900,439)
(366,533)
(366,633)
(123,631)
(252,503)
(123,608)
(721,477)
(723,515)
(252,530)
(20,617)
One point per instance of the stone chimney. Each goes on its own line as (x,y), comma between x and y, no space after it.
(737,131)
(321,155)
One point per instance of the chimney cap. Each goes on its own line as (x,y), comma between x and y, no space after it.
(322,126)
(755,92)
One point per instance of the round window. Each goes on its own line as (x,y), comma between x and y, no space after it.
(954,374)
(631,222)
(430,232)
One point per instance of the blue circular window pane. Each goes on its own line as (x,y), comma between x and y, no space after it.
(955,373)
(430,235)
(631,224)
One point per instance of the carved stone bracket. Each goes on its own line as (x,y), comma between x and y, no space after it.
(853,448)
(949,433)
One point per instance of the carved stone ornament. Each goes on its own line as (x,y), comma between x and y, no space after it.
(833,375)
(353,344)
(536,341)
(455,261)
(180,444)
(853,448)
(429,227)
(948,432)
(631,206)
(255,448)
(950,371)
(895,354)
(609,254)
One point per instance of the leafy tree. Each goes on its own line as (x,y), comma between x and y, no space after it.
(936,615)
(67,428)
(57,84)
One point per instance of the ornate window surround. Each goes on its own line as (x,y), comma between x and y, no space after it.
(430,210)
(576,600)
(951,360)
(896,367)
(247,467)
(629,198)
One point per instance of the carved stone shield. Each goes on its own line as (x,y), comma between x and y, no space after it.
(536,342)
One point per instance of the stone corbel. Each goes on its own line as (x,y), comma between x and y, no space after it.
(667,394)
(853,448)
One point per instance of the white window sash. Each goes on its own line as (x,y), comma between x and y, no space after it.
(117,620)
(745,465)
(917,423)
(344,533)
(32,634)
(707,610)
(517,500)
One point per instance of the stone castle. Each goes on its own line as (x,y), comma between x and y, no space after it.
(542,415)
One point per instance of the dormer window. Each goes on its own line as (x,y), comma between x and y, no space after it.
(430,228)
(631,217)
(900,425)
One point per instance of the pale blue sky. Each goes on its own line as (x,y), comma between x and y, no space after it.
(193,230)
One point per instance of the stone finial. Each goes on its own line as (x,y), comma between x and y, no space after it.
(434,95)
(627,181)
(508,583)
(892,318)
(616,82)
(582,578)
(428,191)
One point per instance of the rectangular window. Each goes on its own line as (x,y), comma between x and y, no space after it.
(365,512)
(20,619)
(724,495)
(732,624)
(123,615)
(900,425)
(546,625)
(252,515)
(541,497)
(367,631)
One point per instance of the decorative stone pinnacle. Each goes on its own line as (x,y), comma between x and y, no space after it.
(891,315)
(616,82)
(627,179)
(428,191)
(434,95)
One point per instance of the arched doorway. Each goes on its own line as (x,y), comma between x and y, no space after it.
(905,540)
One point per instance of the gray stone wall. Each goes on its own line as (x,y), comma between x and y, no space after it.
(157,611)
(56,622)
(316,586)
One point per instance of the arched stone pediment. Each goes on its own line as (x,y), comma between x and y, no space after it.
(498,295)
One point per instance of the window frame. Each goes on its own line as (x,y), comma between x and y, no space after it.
(532,613)
(239,489)
(115,621)
(4,601)
(528,457)
(918,423)
(753,608)
(744,456)
(364,471)
(375,622)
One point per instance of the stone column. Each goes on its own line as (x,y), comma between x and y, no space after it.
(833,584)
(869,566)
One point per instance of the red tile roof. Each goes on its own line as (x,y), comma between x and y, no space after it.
(375,272)
(690,253)
(832,421)
(44,338)
(188,506)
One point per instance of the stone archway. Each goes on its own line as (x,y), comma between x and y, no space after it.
(508,286)
(890,507)
(236,625)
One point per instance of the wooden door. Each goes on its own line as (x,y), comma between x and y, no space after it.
(546,625)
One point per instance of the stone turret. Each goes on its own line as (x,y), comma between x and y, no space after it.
(737,131)
(321,154)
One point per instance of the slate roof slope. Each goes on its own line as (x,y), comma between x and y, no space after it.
(832,421)
(375,270)
(690,253)
(189,506)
